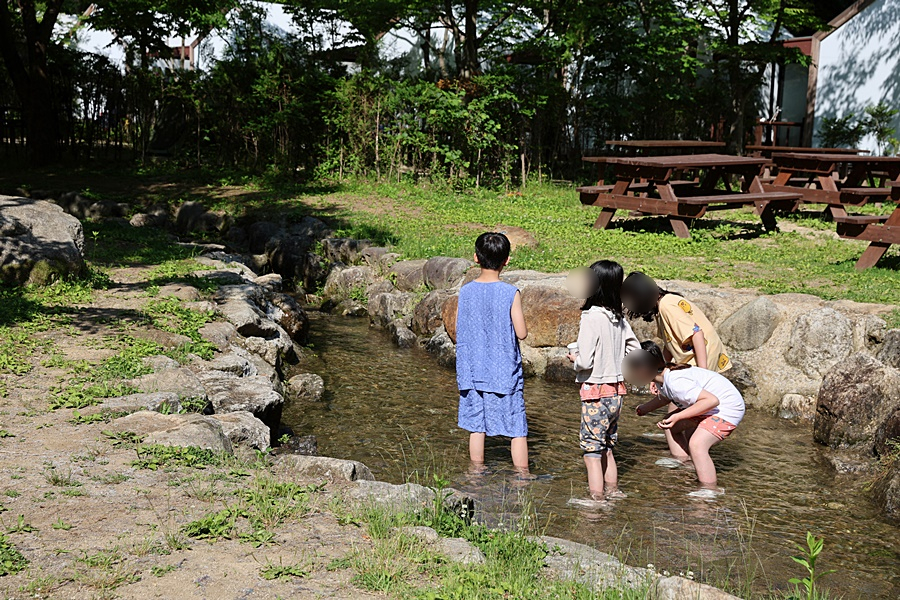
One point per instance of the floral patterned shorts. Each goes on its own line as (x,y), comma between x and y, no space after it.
(600,424)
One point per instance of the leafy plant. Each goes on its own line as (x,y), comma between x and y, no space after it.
(61,525)
(21,526)
(11,560)
(214,526)
(879,122)
(808,558)
(841,132)
(281,571)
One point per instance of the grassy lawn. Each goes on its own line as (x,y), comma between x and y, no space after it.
(729,247)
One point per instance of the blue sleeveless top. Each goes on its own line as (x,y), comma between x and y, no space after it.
(488,358)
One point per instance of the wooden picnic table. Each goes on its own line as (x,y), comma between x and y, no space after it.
(646,185)
(800,172)
(768,151)
(648,147)
(879,230)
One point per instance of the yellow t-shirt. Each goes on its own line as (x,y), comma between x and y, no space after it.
(677,322)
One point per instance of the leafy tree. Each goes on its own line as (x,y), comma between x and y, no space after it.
(743,39)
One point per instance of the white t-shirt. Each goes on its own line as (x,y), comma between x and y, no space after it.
(683,387)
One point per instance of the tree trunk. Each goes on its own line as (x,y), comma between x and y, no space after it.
(470,64)
(30,76)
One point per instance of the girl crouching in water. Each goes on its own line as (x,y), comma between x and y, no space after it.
(604,338)
(709,407)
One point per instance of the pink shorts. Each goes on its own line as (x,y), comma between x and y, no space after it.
(715,425)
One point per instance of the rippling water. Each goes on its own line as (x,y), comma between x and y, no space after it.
(395,410)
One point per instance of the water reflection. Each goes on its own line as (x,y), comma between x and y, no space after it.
(395,410)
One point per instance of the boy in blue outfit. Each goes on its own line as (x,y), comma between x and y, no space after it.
(489,325)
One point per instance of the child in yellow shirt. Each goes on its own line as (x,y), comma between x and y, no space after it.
(689,337)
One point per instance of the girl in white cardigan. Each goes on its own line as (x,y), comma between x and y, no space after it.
(604,338)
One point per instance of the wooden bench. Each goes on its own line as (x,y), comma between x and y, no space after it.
(862,195)
(879,230)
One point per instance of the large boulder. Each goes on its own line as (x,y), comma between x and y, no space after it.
(349,282)
(299,466)
(408,275)
(448,315)
(181,381)
(856,397)
(242,428)
(751,326)
(401,334)
(261,233)
(229,393)
(889,353)
(819,339)
(427,314)
(445,272)
(288,313)
(887,436)
(387,307)
(886,490)
(408,497)
(187,430)
(344,250)
(306,387)
(194,217)
(443,348)
(38,242)
(552,315)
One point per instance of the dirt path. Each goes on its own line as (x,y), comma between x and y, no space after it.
(91,524)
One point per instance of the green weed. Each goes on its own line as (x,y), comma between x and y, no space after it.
(61,525)
(57,478)
(21,526)
(281,571)
(214,526)
(104,416)
(11,560)
(160,570)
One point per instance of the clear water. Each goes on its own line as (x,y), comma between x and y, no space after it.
(395,410)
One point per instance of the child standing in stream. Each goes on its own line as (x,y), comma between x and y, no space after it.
(604,338)
(489,324)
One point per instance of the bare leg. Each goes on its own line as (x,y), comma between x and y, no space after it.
(594,466)
(519,449)
(476,448)
(610,471)
(700,443)
(677,441)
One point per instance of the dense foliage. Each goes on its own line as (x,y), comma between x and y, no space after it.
(474,92)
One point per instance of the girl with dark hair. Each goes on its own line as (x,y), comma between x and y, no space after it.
(709,407)
(604,338)
(689,336)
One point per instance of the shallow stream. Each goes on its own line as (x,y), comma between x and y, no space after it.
(395,410)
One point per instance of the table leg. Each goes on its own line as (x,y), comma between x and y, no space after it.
(828,184)
(872,255)
(876,250)
(604,219)
(767,215)
(783,177)
(680,227)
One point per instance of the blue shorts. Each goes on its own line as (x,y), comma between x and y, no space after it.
(493,414)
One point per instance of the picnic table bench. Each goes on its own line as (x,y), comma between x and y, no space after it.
(768,151)
(645,185)
(817,178)
(880,230)
(656,147)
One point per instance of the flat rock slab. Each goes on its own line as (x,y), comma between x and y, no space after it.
(322,466)
(179,381)
(187,430)
(408,497)
(458,550)
(579,562)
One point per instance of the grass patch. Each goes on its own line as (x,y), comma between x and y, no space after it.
(281,571)
(170,315)
(405,566)
(155,456)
